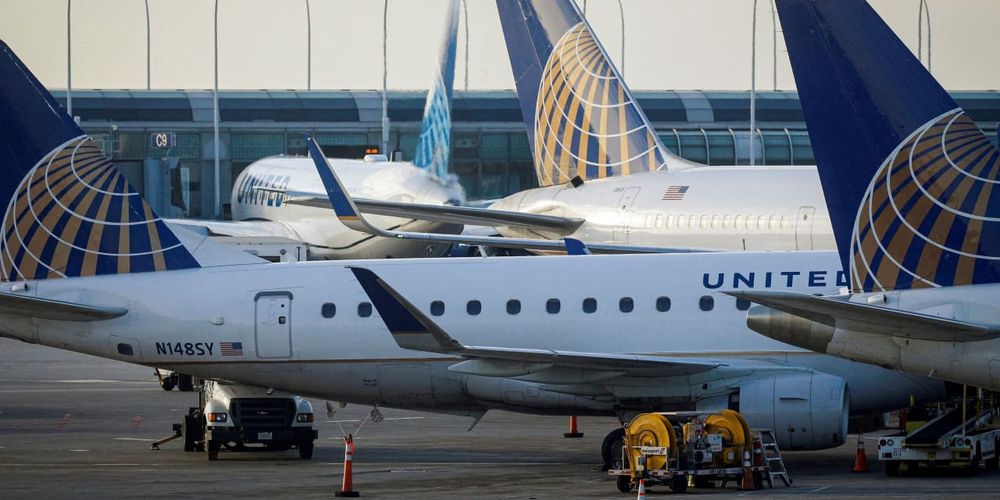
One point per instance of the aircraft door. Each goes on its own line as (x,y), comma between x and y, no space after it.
(803,228)
(273,324)
(622,228)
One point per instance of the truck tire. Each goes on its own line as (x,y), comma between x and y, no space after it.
(679,484)
(891,468)
(212,449)
(993,463)
(306,450)
(189,433)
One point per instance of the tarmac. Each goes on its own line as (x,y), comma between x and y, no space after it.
(74,426)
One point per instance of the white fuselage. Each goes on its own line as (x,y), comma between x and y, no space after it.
(258,196)
(722,208)
(180,319)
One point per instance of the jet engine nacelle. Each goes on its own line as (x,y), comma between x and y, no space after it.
(806,411)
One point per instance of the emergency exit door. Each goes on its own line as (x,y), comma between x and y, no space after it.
(273,322)
(804,228)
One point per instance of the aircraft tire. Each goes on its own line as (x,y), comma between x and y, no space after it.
(611,447)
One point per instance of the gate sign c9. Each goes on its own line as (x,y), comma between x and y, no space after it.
(162,140)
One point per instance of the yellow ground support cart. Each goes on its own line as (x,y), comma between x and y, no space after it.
(678,449)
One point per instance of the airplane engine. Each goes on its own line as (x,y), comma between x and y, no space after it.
(806,411)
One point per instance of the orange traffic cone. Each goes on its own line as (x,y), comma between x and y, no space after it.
(573,432)
(346,489)
(642,489)
(860,460)
(746,481)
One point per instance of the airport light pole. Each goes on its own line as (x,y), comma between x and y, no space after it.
(621,13)
(309,47)
(148,72)
(921,10)
(753,83)
(385,77)
(215,115)
(774,46)
(69,58)
(465,11)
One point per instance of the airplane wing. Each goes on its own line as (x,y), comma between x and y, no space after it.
(412,329)
(236,229)
(450,214)
(349,214)
(35,307)
(840,313)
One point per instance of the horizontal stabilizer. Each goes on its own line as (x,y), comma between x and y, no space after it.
(57,310)
(412,329)
(450,214)
(840,313)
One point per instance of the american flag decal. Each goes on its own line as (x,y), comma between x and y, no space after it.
(675,193)
(231,348)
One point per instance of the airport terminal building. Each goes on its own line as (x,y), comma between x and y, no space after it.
(490,152)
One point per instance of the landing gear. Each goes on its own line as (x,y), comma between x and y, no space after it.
(611,449)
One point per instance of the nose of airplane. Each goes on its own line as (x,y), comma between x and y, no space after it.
(790,329)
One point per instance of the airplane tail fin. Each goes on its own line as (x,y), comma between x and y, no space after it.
(910,181)
(434,144)
(68,211)
(582,120)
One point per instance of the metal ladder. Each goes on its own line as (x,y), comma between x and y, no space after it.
(772,458)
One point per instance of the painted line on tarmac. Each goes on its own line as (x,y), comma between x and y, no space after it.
(147,440)
(821,488)
(386,419)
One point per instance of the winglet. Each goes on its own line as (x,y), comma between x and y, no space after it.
(576,247)
(347,212)
(411,328)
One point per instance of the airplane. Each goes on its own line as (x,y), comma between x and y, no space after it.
(270,197)
(572,372)
(599,161)
(86,265)
(910,183)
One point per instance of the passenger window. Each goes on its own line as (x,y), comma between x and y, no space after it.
(749,222)
(474,307)
(715,222)
(727,222)
(328,310)
(513,306)
(670,222)
(659,221)
(706,303)
(772,222)
(761,222)
(626,305)
(681,222)
(663,304)
(437,308)
(589,305)
(742,304)
(738,223)
(552,306)
(364,309)
(786,223)
(704,221)
(693,221)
